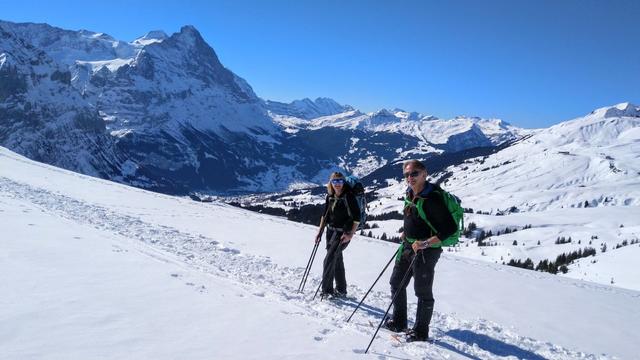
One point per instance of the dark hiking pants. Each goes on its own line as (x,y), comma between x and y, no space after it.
(333,265)
(423,272)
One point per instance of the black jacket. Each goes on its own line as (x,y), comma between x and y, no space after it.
(339,216)
(436,212)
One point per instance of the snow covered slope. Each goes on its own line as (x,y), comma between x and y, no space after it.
(593,160)
(94,269)
(577,180)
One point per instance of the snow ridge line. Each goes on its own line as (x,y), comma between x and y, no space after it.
(211,256)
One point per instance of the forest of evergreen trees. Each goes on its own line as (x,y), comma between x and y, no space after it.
(559,265)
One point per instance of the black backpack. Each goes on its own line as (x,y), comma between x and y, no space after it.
(357,189)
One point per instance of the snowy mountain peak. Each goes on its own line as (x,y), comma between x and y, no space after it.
(95,35)
(190,35)
(405,115)
(308,109)
(625,109)
(382,113)
(601,127)
(151,37)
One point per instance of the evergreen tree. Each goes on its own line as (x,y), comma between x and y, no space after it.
(528,264)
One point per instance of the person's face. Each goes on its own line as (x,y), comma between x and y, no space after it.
(337,185)
(415,177)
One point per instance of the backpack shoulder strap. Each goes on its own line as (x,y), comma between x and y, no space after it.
(419,205)
(346,203)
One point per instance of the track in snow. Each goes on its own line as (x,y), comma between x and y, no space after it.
(457,338)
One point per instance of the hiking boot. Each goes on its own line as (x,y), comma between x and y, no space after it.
(340,294)
(326,294)
(390,325)
(413,336)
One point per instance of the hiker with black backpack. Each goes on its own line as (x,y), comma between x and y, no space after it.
(428,225)
(342,217)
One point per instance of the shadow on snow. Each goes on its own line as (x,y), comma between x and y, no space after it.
(492,345)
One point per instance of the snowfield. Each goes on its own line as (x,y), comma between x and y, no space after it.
(94,269)
(576,180)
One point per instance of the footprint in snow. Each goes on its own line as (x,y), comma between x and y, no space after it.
(232,251)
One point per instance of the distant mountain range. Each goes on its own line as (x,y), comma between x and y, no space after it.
(161,112)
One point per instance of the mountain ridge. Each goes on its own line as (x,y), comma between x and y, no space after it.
(163,113)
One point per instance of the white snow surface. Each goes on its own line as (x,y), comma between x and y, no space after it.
(594,159)
(94,269)
(548,178)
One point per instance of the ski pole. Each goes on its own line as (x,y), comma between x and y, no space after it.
(303,282)
(374,284)
(332,251)
(305,275)
(392,300)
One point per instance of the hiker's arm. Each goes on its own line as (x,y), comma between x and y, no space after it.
(440,217)
(355,215)
(346,237)
(352,203)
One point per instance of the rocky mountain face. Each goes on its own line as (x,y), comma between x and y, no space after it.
(161,112)
(43,117)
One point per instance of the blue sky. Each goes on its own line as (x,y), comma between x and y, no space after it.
(532,63)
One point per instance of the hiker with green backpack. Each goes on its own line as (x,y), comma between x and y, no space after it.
(429,224)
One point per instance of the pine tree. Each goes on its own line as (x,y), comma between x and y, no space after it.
(528,264)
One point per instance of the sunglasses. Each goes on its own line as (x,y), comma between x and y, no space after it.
(414,173)
(337,181)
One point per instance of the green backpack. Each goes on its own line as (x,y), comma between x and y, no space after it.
(452,203)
